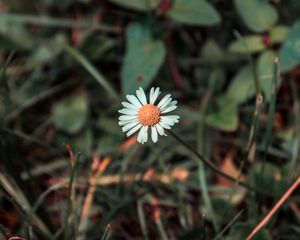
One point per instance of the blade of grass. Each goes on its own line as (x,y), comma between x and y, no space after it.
(18,199)
(232,221)
(12,160)
(45,168)
(37,98)
(71,192)
(29,232)
(181,204)
(5,231)
(27,137)
(40,200)
(203,225)
(121,206)
(202,150)
(294,165)
(4,89)
(106,234)
(57,22)
(157,219)
(92,70)
(142,219)
(268,136)
(45,194)
(4,66)
(251,147)
(258,104)
(161,230)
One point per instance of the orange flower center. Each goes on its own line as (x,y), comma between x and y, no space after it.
(149,115)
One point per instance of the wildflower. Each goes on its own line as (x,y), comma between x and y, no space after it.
(139,114)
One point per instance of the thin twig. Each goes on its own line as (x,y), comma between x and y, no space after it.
(98,167)
(267,218)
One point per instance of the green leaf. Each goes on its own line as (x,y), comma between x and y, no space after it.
(289,54)
(242,230)
(225,117)
(265,69)
(278,34)
(212,52)
(139,5)
(242,86)
(47,51)
(70,114)
(248,44)
(143,59)
(194,12)
(258,15)
(14,33)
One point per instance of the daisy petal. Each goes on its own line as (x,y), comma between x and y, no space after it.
(130,125)
(151,95)
(173,117)
(133,99)
(133,130)
(160,130)
(154,94)
(127,111)
(145,134)
(140,135)
(165,98)
(129,105)
(141,96)
(173,103)
(127,117)
(169,109)
(168,121)
(124,122)
(142,132)
(166,103)
(154,135)
(164,125)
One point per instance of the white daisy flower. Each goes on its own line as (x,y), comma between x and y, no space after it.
(139,114)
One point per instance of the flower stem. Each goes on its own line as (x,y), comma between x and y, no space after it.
(216,170)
